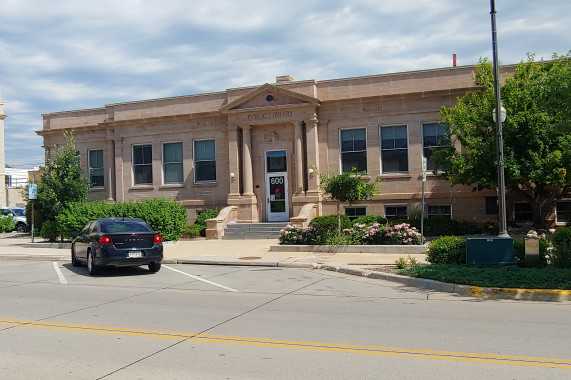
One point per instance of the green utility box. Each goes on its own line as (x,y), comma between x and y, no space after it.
(490,251)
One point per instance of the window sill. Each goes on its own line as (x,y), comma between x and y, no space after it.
(172,186)
(97,189)
(395,175)
(142,187)
(205,183)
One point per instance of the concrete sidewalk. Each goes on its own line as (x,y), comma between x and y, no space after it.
(259,253)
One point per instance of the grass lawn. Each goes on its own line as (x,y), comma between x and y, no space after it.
(501,277)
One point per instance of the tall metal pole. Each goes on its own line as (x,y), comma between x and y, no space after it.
(499,134)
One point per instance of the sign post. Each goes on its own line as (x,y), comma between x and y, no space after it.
(32,194)
(424,164)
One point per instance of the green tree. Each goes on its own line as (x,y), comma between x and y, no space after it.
(537,140)
(61,182)
(347,187)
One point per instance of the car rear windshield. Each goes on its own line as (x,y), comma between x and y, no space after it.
(124,227)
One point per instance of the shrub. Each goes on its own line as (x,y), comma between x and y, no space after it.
(370,219)
(164,216)
(50,230)
(192,231)
(560,256)
(440,226)
(206,214)
(294,234)
(491,229)
(7,223)
(468,228)
(561,235)
(329,222)
(447,250)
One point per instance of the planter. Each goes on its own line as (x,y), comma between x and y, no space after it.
(398,249)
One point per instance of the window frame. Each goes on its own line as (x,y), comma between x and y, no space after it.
(341,152)
(355,216)
(91,168)
(568,213)
(394,149)
(516,213)
(396,215)
(147,164)
(180,164)
(430,165)
(195,161)
(429,215)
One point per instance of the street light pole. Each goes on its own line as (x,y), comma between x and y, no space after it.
(499,134)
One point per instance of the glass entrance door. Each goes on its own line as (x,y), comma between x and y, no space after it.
(277,205)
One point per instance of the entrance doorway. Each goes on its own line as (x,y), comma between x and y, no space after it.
(277,205)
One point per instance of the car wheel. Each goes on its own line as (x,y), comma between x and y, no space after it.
(154,267)
(91,267)
(21,228)
(74,261)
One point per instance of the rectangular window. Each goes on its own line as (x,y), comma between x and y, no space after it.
(492,206)
(433,135)
(353,149)
(143,164)
(523,212)
(396,212)
(204,161)
(442,211)
(563,212)
(394,149)
(172,163)
(355,212)
(96,177)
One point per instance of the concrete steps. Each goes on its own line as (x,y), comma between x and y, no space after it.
(253,230)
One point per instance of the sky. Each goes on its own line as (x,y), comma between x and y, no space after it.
(62,55)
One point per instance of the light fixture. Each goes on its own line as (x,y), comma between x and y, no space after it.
(276,137)
(311,171)
(503,114)
(232,177)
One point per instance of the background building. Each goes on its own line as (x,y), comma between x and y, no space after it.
(255,148)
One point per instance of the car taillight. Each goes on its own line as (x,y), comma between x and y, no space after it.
(158,238)
(105,240)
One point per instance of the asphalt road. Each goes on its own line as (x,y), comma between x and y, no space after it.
(227,322)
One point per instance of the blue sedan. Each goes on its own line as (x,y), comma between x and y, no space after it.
(117,242)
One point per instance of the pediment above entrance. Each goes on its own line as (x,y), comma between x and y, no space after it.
(270,96)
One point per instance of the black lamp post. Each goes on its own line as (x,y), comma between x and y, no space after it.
(499,115)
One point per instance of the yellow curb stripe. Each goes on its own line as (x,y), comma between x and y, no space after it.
(515,293)
(371,350)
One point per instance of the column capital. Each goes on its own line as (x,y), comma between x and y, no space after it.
(232,127)
(312,120)
(246,127)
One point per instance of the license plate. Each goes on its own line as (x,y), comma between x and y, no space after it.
(135,254)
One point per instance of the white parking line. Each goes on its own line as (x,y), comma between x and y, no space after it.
(62,279)
(200,279)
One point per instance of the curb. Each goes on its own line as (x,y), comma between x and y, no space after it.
(550,295)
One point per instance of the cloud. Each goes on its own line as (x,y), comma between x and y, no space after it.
(66,54)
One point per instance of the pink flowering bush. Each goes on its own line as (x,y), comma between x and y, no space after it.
(400,234)
(359,234)
(294,234)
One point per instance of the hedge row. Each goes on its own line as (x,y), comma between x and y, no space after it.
(165,217)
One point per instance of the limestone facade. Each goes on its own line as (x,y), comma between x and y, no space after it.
(260,148)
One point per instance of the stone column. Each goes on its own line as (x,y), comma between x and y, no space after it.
(233,161)
(312,154)
(119,175)
(298,133)
(248,175)
(110,164)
